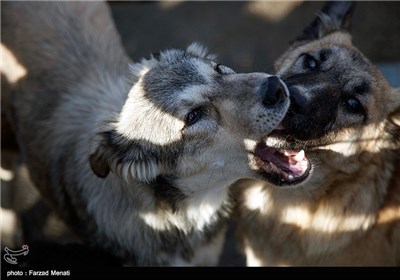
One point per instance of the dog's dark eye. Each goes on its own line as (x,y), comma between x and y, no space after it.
(193,116)
(354,106)
(310,62)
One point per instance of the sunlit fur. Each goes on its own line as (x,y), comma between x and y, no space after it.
(108,143)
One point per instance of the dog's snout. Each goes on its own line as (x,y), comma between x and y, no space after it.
(297,100)
(274,91)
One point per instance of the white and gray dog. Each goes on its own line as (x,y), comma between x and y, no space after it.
(140,168)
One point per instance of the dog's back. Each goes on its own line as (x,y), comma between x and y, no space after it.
(67,50)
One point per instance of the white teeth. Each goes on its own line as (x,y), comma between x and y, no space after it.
(300,156)
(290,177)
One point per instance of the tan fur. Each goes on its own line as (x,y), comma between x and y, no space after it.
(347,213)
(340,219)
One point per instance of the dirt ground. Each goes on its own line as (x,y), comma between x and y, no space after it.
(247,36)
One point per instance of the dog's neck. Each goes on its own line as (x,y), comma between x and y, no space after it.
(169,220)
(174,208)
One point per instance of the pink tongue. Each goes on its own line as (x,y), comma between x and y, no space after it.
(289,161)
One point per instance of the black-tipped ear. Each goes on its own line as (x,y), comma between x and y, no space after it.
(200,50)
(334,16)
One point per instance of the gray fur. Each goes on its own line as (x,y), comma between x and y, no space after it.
(116,156)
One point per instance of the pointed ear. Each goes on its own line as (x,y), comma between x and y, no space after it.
(131,160)
(334,16)
(199,50)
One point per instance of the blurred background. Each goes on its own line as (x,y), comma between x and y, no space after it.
(247,36)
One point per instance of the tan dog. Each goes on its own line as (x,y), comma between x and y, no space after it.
(137,166)
(335,159)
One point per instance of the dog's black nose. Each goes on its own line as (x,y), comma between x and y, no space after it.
(274,91)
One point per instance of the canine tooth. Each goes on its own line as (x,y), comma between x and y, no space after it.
(290,177)
(300,156)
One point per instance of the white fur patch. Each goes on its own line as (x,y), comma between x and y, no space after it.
(10,66)
(134,119)
(199,212)
(6,175)
(273,142)
(201,209)
(258,198)
(162,221)
(251,259)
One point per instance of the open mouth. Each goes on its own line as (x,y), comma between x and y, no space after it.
(286,166)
